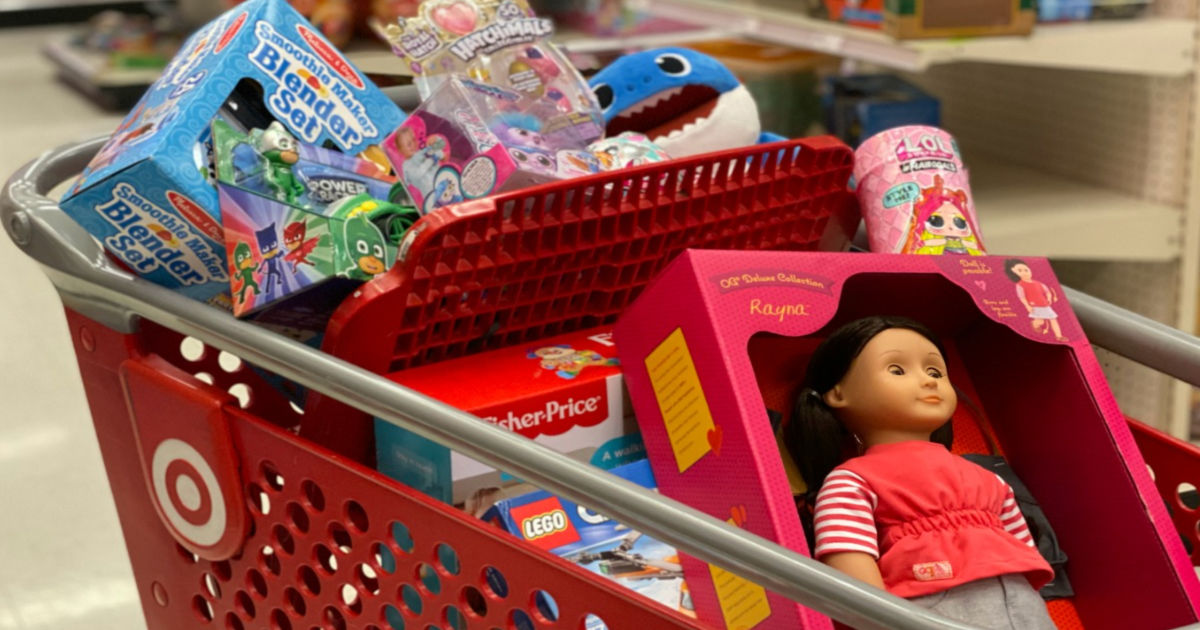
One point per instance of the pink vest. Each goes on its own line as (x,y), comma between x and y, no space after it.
(938,519)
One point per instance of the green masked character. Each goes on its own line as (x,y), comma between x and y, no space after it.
(366,248)
(281,151)
(244,266)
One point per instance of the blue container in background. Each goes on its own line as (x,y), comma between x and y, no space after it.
(860,106)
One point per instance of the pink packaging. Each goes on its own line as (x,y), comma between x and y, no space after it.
(915,195)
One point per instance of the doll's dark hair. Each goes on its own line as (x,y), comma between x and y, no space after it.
(814,436)
(1008,268)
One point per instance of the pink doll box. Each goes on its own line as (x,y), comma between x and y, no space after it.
(687,344)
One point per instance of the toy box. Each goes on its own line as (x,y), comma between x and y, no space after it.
(146,195)
(597,542)
(468,141)
(911,19)
(859,106)
(861,13)
(296,215)
(721,337)
(566,393)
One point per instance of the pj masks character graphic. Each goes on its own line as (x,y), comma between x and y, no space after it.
(298,248)
(281,151)
(271,266)
(566,362)
(243,269)
(365,247)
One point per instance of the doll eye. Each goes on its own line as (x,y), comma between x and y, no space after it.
(960,223)
(936,221)
(543,161)
(673,65)
(604,96)
(934,372)
(896,369)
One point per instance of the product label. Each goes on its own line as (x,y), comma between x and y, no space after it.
(584,406)
(502,35)
(309,95)
(149,238)
(545,523)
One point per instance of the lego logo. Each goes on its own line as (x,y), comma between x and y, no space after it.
(544,525)
(330,56)
(229,33)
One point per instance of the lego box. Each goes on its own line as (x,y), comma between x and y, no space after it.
(147,194)
(566,393)
(723,338)
(598,543)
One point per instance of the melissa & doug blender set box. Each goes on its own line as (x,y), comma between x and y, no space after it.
(146,194)
(722,337)
(566,393)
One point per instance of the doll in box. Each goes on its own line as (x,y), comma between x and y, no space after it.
(901,512)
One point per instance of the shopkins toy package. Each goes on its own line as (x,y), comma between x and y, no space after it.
(719,343)
(686,102)
(466,141)
(565,392)
(914,193)
(295,215)
(146,195)
(597,542)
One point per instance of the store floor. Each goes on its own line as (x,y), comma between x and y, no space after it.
(64,562)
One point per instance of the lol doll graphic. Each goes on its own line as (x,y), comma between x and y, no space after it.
(1036,296)
(566,362)
(941,223)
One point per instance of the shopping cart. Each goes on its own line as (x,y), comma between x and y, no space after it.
(233,520)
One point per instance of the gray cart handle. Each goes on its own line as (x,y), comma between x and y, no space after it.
(90,284)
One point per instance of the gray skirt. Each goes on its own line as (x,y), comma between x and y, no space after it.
(1006,602)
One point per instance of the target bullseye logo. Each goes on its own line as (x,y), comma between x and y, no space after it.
(188,492)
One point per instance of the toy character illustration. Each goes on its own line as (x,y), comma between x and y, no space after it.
(447,189)
(1036,296)
(905,514)
(420,160)
(535,160)
(281,151)
(271,266)
(572,163)
(941,223)
(687,102)
(298,248)
(523,130)
(566,362)
(366,247)
(624,563)
(244,268)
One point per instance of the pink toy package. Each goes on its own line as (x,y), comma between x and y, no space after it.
(914,193)
(718,344)
(470,139)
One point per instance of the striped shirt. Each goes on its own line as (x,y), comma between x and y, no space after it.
(844,515)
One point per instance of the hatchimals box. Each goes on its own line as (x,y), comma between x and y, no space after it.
(598,543)
(148,194)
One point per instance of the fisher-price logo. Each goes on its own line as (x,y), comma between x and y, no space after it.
(545,523)
(149,238)
(308,96)
(556,416)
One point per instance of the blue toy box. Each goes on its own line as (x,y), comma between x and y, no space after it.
(148,194)
(596,542)
(860,106)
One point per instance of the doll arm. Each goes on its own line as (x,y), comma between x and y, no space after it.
(844,525)
(1021,296)
(1011,518)
(858,565)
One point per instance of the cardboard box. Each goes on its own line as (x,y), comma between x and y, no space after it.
(146,195)
(598,543)
(913,19)
(565,392)
(738,327)
(859,106)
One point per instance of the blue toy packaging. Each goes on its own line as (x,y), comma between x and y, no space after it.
(597,542)
(860,106)
(148,194)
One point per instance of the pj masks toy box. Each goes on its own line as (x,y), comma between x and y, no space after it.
(720,341)
(148,194)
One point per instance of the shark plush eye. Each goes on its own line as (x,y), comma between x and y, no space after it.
(604,96)
(673,65)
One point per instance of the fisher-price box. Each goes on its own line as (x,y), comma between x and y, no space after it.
(721,339)
(598,543)
(147,194)
(565,392)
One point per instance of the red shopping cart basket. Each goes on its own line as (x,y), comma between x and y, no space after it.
(232,520)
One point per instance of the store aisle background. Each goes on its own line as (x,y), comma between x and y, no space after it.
(65,566)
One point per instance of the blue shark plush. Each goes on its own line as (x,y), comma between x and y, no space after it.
(685,101)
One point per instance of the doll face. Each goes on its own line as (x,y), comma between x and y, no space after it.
(1023,272)
(406,142)
(895,389)
(948,221)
